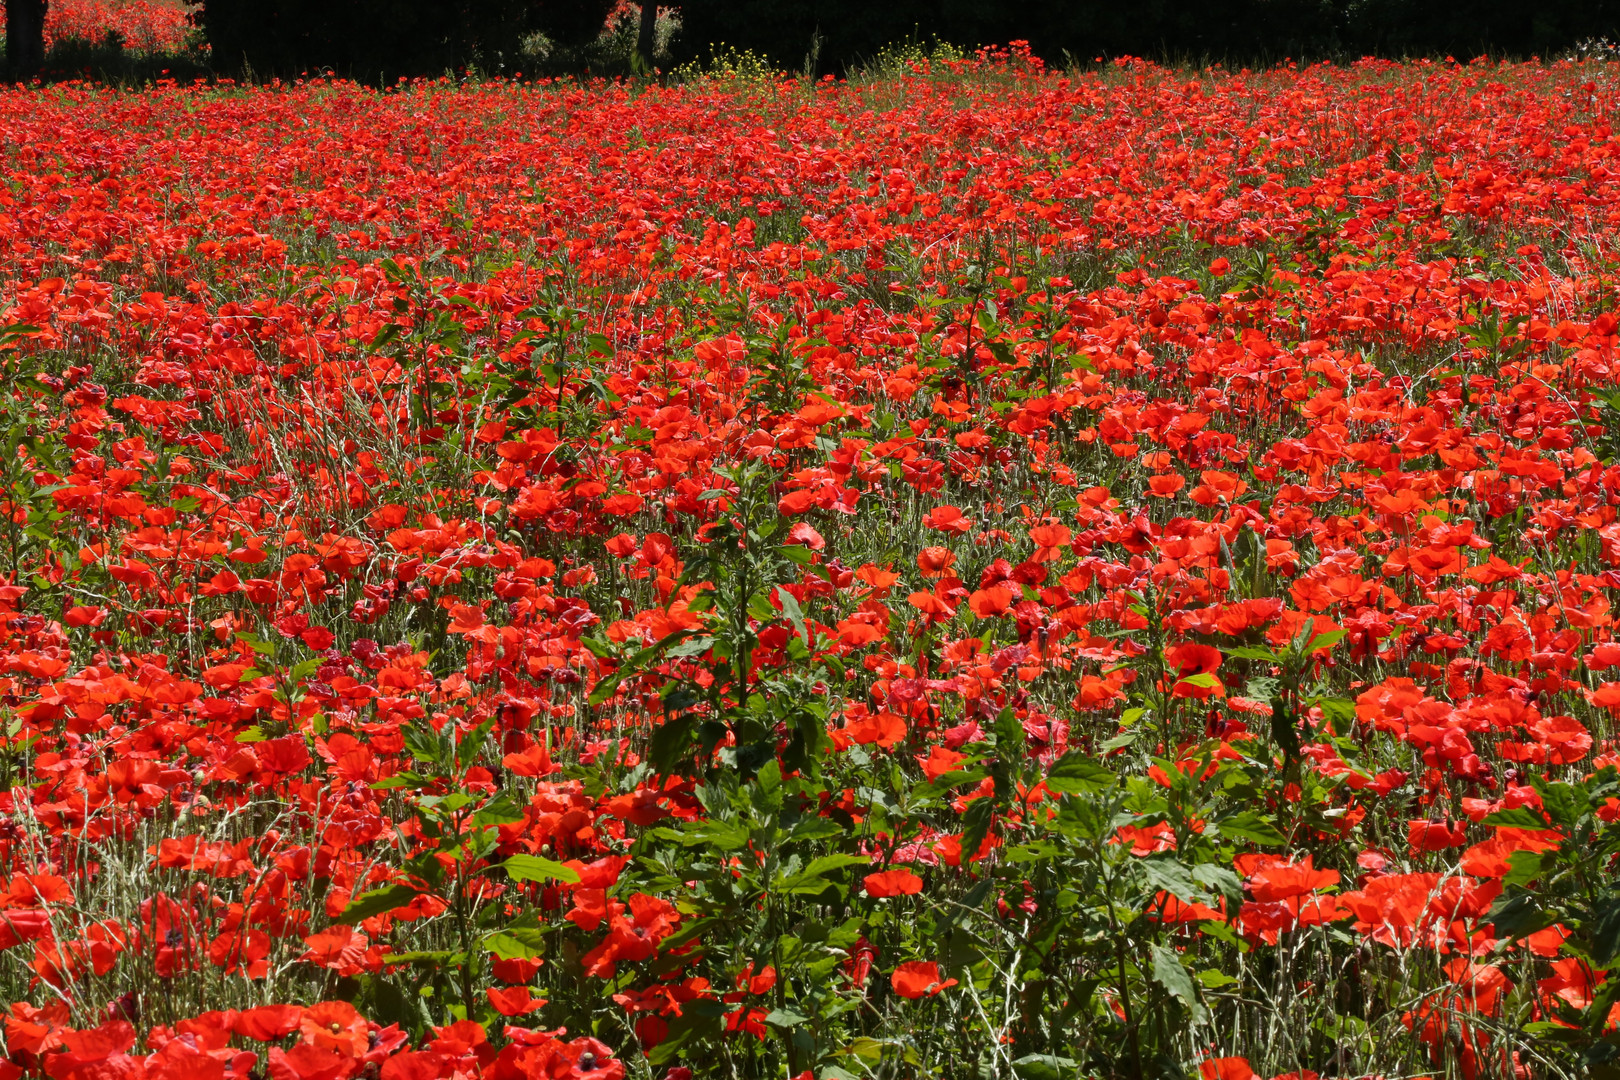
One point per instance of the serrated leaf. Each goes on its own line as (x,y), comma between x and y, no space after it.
(1170,875)
(1520,817)
(1518,916)
(691,647)
(1220,879)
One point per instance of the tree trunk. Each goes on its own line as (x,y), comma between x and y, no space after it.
(647,39)
(25,37)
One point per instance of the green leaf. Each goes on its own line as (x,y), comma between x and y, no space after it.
(976,826)
(1324,641)
(795,553)
(1520,817)
(1252,826)
(1220,879)
(1170,875)
(534,868)
(813,878)
(719,835)
(1606,933)
(815,828)
(785,1018)
(1076,774)
(1009,732)
(691,647)
(1519,916)
(1565,804)
(1045,1067)
(502,810)
(524,944)
(402,780)
(470,745)
(1119,742)
(377,902)
(790,608)
(671,742)
(1168,973)
(1251,652)
(1035,852)
(1524,867)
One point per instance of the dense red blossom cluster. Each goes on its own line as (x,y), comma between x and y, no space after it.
(422,506)
(146,25)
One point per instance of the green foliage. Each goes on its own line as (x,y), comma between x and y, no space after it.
(852,34)
(705,675)
(383,40)
(1572,886)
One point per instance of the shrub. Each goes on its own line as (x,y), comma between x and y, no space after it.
(377,40)
(1236,31)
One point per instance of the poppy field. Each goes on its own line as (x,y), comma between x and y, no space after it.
(146,25)
(982,572)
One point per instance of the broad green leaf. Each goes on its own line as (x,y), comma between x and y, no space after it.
(377,902)
(1045,1067)
(785,1018)
(1520,817)
(1606,933)
(1250,652)
(813,878)
(1324,641)
(534,868)
(791,609)
(1170,875)
(1170,974)
(691,647)
(1252,826)
(515,944)
(976,826)
(1076,774)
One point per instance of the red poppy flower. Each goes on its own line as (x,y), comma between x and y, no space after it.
(918,978)
(948,519)
(514,1000)
(897,882)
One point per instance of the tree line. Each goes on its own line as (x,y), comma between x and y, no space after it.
(380,40)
